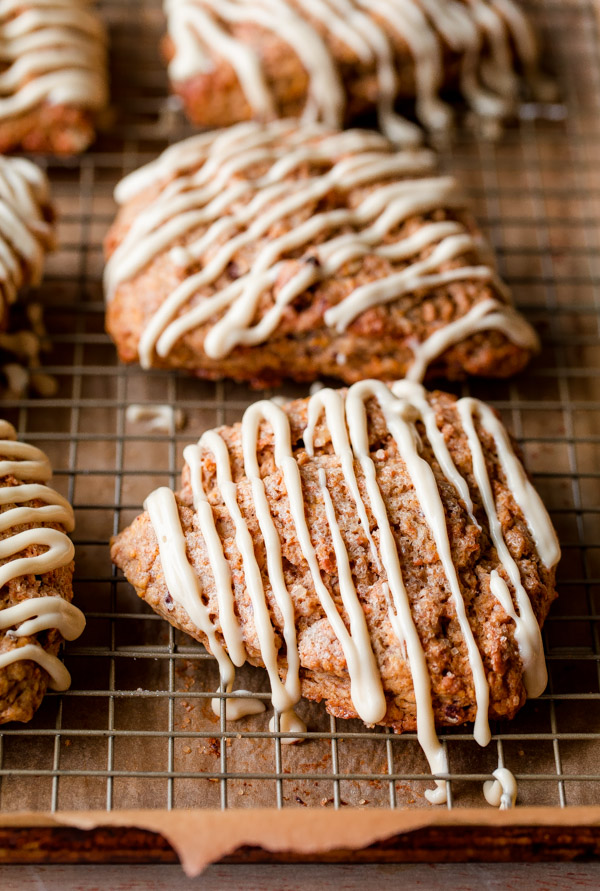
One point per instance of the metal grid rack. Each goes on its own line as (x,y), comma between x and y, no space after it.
(136,728)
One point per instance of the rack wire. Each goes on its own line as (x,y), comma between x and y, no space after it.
(136,728)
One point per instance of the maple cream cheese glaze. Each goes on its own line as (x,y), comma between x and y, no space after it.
(348,480)
(222,236)
(54,50)
(27,505)
(25,228)
(488,39)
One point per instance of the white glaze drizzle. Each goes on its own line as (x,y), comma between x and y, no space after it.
(532,506)
(487,35)
(501,792)
(415,395)
(40,613)
(60,679)
(60,552)
(289,722)
(400,426)
(24,233)
(221,571)
(235,709)
(346,419)
(254,415)
(281,693)
(34,614)
(388,557)
(527,629)
(54,51)
(180,578)
(20,459)
(200,187)
(160,418)
(486,315)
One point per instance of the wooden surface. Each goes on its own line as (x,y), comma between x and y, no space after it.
(440,877)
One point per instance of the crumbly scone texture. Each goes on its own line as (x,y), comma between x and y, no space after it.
(23,683)
(324,674)
(379,343)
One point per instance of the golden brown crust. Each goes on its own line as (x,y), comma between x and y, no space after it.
(324,674)
(51,129)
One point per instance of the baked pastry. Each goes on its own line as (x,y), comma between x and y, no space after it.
(26,233)
(275,250)
(334,60)
(53,75)
(26,230)
(379,549)
(36,613)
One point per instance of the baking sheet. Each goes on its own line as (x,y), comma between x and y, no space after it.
(136,729)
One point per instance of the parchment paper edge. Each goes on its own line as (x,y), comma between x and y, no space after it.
(201,837)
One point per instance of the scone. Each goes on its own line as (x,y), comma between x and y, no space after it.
(36,613)
(276,250)
(335,60)
(381,549)
(53,75)
(26,233)
(26,230)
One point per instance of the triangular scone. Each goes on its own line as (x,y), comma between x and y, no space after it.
(36,571)
(281,250)
(381,550)
(54,74)
(335,60)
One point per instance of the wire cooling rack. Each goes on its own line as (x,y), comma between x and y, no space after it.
(136,728)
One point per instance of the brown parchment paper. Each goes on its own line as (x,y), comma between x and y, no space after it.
(203,837)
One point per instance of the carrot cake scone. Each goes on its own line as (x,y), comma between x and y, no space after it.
(381,549)
(26,230)
(283,250)
(26,233)
(334,60)
(36,613)
(53,74)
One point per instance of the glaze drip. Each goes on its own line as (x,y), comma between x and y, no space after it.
(346,418)
(25,234)
(238,708)
(157,418)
